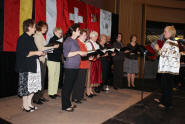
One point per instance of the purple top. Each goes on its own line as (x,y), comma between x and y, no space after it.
(71,45)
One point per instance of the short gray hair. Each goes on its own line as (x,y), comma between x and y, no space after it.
(93,34)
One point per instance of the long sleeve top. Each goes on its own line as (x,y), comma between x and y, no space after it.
(169,61)
(40,43)
(71,45)
(25,44)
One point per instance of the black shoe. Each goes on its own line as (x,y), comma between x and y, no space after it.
(39,102)
(56,95)
(97,90)
(52,96)
(34,108)
(30,110)
(76,101)
(115,88)
(94,94)
(44,100)
(103,90)
(89,96)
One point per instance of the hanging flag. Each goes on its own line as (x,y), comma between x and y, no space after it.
(63,15)
(51,17)
(76,13)
(93,18)
(57,13)
(1,23)
(40,10)
(105,22)
(15,12)
(25,12)
(11,24)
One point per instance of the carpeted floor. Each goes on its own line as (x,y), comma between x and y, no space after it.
(93,111)
(150,113)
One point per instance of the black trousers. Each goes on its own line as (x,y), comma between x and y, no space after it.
(167,82)
(79,86)
(40,94)
(70,76)
(105,72)
(118,74)
(182,75)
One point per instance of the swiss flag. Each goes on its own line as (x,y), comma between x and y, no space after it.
(76,13)
(93,18)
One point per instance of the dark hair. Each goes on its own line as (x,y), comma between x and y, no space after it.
(83,31)
(133,35)
(28,23)
(41,24)
(71,29)
(119,34)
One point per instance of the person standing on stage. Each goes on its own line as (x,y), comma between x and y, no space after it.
(169,64)
(41,29)
(105,62)
(79,86)
(53,63)
(94,78)
(72,53)
(118,63)
(28,65)
(131,62)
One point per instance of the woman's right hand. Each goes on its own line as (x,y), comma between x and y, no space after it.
(40,53)
(82,53)
(56,46)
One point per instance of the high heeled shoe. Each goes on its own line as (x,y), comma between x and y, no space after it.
(93,94)
(73,106)
(34,108)
(30,110)
(69,109)
(89,96)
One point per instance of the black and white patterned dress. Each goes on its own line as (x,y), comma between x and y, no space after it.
(30,82)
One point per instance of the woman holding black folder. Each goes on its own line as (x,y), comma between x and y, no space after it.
(79,86)
(53,63)
(131,62)
(41,30)
(118,63)
(72,53)
(94,75)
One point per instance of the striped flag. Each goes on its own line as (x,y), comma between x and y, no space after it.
(57,13)
(14,12)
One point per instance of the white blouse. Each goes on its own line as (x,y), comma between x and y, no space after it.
(169,61)
(89,46)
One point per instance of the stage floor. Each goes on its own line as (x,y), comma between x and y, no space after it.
(95,110)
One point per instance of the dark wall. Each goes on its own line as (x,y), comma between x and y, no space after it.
(8,76)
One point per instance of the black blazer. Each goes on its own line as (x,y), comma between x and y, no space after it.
(25,44)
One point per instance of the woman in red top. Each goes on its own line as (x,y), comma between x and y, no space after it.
(79,86)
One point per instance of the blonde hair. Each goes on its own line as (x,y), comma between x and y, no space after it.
(57,29)
(93,34)
(172,30)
